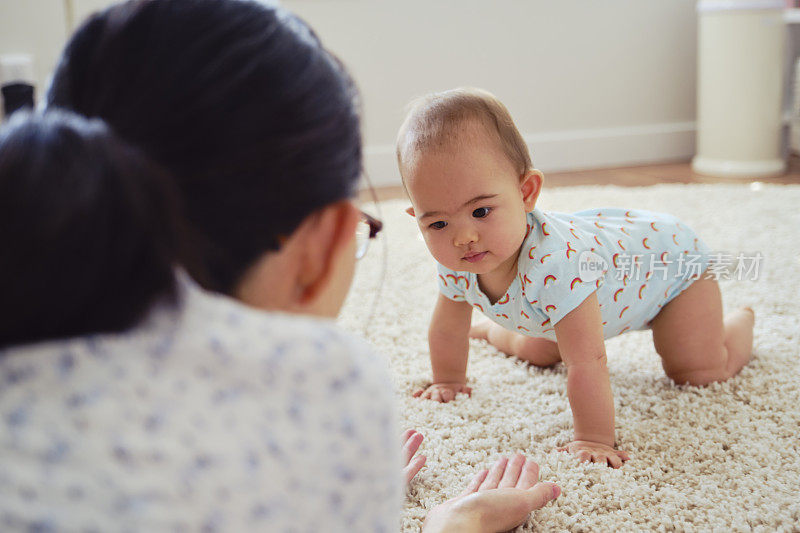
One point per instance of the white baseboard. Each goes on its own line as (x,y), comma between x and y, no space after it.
(574,150)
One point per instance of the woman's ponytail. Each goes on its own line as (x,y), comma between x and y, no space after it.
(88,225)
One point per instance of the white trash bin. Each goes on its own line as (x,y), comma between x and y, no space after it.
(740,80)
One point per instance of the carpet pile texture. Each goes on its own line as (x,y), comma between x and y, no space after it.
(725,457)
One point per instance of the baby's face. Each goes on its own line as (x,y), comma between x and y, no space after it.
(469,204)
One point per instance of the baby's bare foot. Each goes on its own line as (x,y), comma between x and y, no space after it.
(743,318)
(480,330)
(739,338)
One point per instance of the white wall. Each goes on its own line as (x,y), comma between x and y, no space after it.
(36,27)
(589,83)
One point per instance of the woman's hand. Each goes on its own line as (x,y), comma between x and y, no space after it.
(498,499)
(588,451)
(411,442)
(443,392)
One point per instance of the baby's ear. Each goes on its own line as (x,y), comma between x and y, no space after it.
(410,211)
(530,187)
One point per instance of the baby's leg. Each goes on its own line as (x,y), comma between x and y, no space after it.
(535,350)
(695,344)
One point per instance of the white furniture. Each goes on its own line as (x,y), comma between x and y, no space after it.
(740,88)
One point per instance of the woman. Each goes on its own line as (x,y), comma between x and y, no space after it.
(190,410)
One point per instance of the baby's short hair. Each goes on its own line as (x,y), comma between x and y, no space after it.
(433,122)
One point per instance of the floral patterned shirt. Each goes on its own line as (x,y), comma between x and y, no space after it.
(208,416)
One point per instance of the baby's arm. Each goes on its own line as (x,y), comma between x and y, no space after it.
(448,338)
(582,348)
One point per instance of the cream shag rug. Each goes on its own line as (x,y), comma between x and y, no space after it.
(721,458)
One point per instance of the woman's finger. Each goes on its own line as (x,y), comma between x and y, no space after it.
(495,473)
(413,467)
(513,470)
(407,434)
(477,479)
(411,446)
(541,494)
(529,476)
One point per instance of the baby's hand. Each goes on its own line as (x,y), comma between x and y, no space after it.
(595,452)
(443,392)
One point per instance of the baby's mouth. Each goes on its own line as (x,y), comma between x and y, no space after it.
(474,257)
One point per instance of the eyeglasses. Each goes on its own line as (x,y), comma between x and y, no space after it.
(367,228)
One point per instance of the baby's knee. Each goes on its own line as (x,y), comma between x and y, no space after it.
(699,378)
(540,352)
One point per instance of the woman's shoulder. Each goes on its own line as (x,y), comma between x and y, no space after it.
(211,334)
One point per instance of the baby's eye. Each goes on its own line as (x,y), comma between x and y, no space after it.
(438,225)
(481,212)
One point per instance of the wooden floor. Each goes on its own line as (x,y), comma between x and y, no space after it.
(642,176)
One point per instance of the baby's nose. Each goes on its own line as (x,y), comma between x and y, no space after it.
(465,236)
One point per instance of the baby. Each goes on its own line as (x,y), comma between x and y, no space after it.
(554,285)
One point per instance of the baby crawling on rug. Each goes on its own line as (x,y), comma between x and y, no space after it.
(554,285)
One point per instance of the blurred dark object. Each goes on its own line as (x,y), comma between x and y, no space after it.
(17,95)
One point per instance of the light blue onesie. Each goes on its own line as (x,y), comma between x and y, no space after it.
(636,260)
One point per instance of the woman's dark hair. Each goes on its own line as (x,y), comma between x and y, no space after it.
(89,228)
(255,120)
